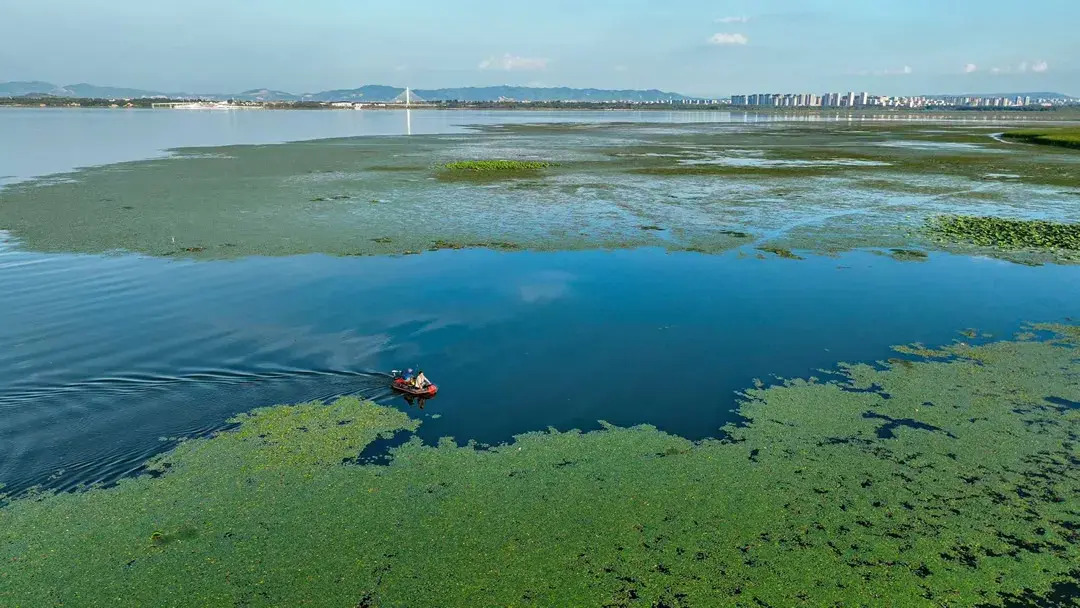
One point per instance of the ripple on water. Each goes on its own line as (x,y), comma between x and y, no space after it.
(101,352)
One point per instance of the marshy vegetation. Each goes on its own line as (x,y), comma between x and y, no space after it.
(781,252)
(1006,233)
(1064,137)
(493,168)
(949,480)
(823,188)
(908,255)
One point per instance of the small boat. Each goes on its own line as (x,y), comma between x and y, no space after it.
(400,384)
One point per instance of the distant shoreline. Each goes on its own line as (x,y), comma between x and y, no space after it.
(1055,113)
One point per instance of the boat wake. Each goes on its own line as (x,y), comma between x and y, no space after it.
(369,384)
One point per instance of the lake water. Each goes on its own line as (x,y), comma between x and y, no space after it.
(43,141)
(103,356)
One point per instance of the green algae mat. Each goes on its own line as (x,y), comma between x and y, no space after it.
(943,477)
(823,188)
(1007,234)
(1064,137)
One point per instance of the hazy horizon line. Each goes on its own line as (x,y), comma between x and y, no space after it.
(524,86)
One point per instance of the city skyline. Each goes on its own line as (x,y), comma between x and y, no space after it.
(865,99)
(701,49)
(378,93)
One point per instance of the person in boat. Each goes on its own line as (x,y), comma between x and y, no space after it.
(408,376)
(421,382)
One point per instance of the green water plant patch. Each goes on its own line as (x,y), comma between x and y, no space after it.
(781,252)
(908,255)
(494,168)
(812,188)
(1068,137)
(1005,233)
(941,481)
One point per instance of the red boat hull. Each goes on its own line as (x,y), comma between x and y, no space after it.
(401,385)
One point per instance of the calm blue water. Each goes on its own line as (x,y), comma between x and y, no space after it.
(100,357)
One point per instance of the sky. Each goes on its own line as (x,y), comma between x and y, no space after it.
(694,47)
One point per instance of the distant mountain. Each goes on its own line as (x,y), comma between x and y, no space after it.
(262,95)
(34,87)
(19,89)
(368,93)
(379,93)
(371,92)
(88,90)
(545,94)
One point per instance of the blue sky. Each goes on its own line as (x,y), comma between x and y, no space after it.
(696,47)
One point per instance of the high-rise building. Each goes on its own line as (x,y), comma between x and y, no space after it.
(864,99)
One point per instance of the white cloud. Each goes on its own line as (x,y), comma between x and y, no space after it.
(728,39)
(733,20)
(511,63)
(1022,68)
(970,68)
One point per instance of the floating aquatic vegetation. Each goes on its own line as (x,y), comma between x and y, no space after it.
(951,482)
(1067,137)
(493,168)
(816,188)
(497,245)
(908,255)
(441,244)
(781,252)
(483,166)
(1006,233)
